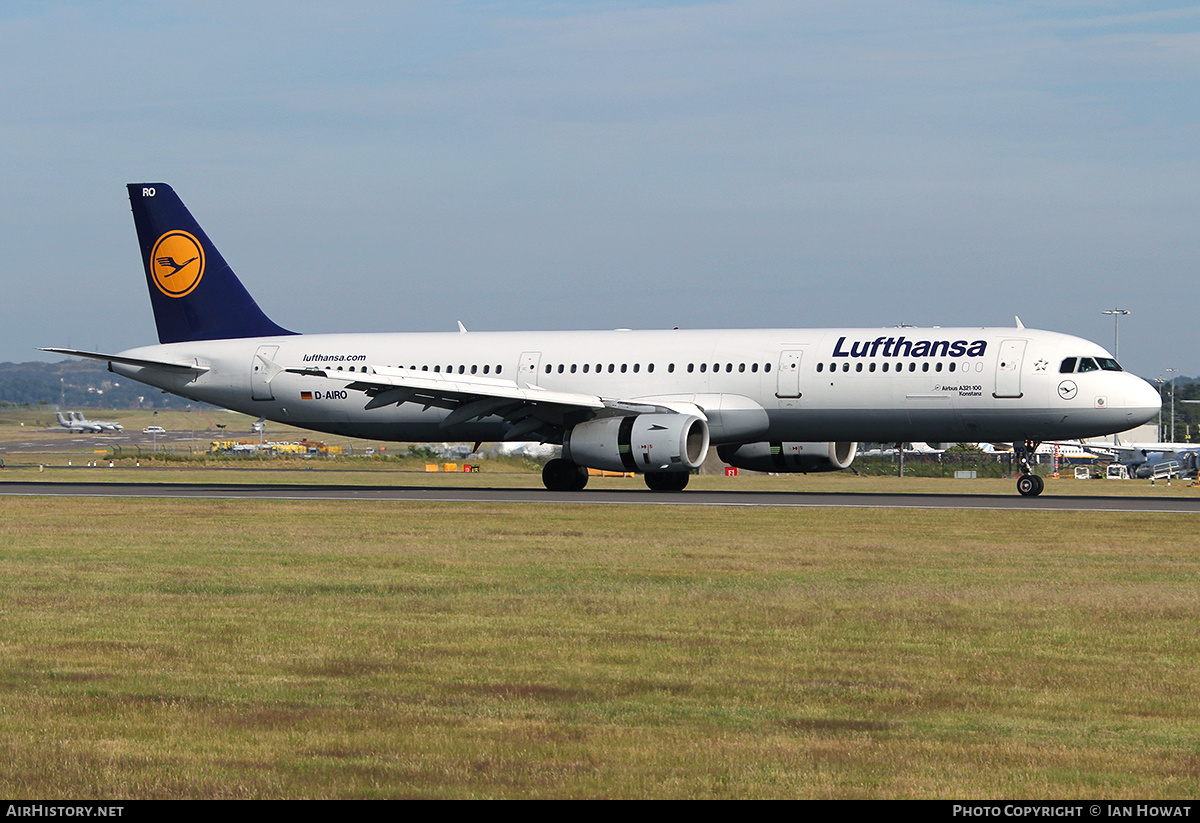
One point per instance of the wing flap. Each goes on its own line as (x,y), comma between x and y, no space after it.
(382,386)
(528,409)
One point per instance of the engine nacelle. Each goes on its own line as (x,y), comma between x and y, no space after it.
(790,457)
(639,443)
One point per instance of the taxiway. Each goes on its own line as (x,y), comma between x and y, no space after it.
(788,499)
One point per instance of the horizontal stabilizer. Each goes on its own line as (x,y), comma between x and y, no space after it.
(132,361)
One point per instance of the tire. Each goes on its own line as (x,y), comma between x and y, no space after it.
(560,475)
(667,481)
(1030,485)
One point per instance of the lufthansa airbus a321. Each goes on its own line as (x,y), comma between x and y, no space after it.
(652,402)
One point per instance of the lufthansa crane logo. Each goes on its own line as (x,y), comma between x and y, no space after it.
(177,263)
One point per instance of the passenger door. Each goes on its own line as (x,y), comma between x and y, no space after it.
(787,379)
(262,371)
(1008,368)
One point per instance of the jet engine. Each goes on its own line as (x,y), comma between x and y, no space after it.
(639,443)
(789,456)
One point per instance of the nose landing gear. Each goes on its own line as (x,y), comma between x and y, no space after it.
(1029,484)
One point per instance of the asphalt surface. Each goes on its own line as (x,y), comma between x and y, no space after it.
(239,491)
(60,441)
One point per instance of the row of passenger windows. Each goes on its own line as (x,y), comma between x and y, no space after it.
(460,369)
(1070,365)
(624,368)
(870,367)
(484,369)
(588,368)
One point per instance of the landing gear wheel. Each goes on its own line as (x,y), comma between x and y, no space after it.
(560,475)
(667,481)
(1030,485)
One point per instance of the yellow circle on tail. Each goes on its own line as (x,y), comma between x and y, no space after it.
(177,263)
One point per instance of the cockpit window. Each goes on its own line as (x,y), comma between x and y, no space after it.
(1082,364)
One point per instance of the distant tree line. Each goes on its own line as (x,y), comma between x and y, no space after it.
(1187,415)
(79,384)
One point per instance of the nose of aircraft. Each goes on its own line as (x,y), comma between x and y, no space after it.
(1142,402)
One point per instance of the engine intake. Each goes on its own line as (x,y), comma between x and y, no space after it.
(639,443)
(790,457)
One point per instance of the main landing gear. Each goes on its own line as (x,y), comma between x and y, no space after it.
(1028,484)
(667,481)
(560,475)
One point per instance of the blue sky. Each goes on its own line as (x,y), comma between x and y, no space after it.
(384,166)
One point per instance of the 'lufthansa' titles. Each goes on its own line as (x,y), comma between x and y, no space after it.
(902,347)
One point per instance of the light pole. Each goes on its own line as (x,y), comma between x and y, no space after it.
(1159,381)
(1173,373)
(1116,316)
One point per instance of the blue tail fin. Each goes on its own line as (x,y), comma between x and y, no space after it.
(195,295)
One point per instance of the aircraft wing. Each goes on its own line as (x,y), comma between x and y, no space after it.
(1099,449)
(1095,449)
(529,409)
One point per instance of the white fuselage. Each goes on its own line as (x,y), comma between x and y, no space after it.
(896,384)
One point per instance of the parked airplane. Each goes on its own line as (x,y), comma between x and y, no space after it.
(1144,460)
(909,448)
(104,425)
(74,426)
(782,400)
(1063,449)
(1165,464)
(77,423)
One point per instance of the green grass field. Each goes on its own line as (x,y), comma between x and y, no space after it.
(324,649)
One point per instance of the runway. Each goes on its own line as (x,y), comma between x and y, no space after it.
(631,497)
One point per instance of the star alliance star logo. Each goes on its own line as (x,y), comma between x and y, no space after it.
(1040,365)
